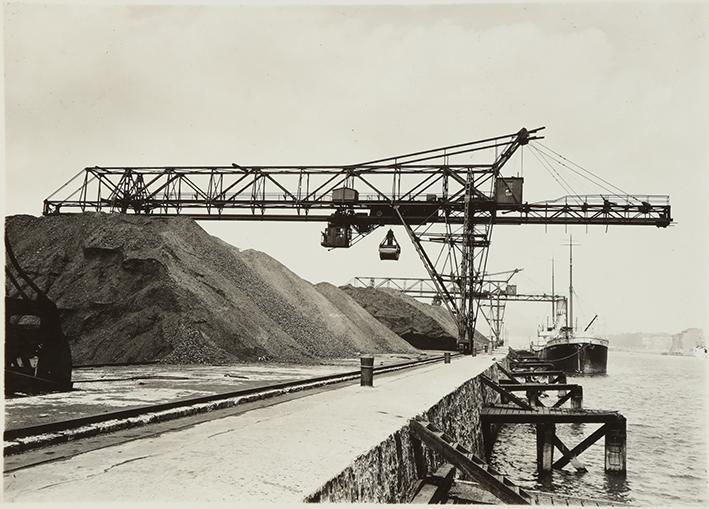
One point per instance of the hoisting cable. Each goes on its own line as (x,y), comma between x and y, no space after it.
(538,155)
(585,170)
(549,161)
(610,191)
(624,193)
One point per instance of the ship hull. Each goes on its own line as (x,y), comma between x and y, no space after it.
(577,357)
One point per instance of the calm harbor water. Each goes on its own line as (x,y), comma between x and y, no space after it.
(664,400)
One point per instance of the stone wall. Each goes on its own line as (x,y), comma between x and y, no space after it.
(387,472)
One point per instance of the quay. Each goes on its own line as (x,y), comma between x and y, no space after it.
(418,436)
(346,444)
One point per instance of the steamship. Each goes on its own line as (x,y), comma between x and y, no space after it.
(569,351)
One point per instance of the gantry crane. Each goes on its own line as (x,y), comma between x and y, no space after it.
(449,197)
(495,294)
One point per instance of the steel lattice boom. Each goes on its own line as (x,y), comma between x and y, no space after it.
(495,294)
(448,197)
(423,288)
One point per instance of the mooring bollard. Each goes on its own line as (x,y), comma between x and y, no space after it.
(446,358)
(616,447)
(367,371)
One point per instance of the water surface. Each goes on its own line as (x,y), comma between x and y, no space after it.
(664,399)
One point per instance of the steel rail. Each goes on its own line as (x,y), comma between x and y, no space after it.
(69,424)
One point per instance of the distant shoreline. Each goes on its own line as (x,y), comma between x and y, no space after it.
(651,352)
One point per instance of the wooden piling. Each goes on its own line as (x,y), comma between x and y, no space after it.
(577,398)
(367,371)
(488,432)
(545,446)
(561,379)
(533,397)
(616,446)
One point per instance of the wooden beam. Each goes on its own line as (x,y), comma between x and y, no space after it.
(533,364)
(567,453)
(434,489)
(504,392)
(488,432)
(585,444)
(545,446)
(419,460)
(616,447)
(497,414)
(518,387)
(541,372)
(470,492)
(577,398)
(468,463)
(507,373)
(563,399)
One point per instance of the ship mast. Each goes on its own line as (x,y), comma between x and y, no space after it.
(553,300)
(570,316)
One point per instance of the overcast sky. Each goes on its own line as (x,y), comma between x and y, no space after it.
(622,89)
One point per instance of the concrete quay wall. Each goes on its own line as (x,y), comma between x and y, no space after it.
(387,472)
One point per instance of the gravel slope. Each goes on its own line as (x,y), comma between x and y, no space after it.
(136,289)
(423,325)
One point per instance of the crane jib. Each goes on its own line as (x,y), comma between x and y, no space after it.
(451,196)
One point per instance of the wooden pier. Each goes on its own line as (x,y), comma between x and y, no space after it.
(480,483)
(552,375)
(532,411)
(574,393)
(528,375)
(531,364)
(613,428)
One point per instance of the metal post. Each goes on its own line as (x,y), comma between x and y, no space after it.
(367,371)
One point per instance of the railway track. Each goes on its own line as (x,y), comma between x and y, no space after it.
(17,440)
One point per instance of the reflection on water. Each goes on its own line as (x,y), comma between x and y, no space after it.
(667,460)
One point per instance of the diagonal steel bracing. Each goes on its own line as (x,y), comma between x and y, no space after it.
(447,197)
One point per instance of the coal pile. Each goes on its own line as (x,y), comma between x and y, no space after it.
(135,289)
(352,319)
(423,325)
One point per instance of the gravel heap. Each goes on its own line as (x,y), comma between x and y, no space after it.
(135,289)
(352,319)
(423,325)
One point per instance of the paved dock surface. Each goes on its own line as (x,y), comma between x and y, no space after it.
(111,388)
(279,453)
